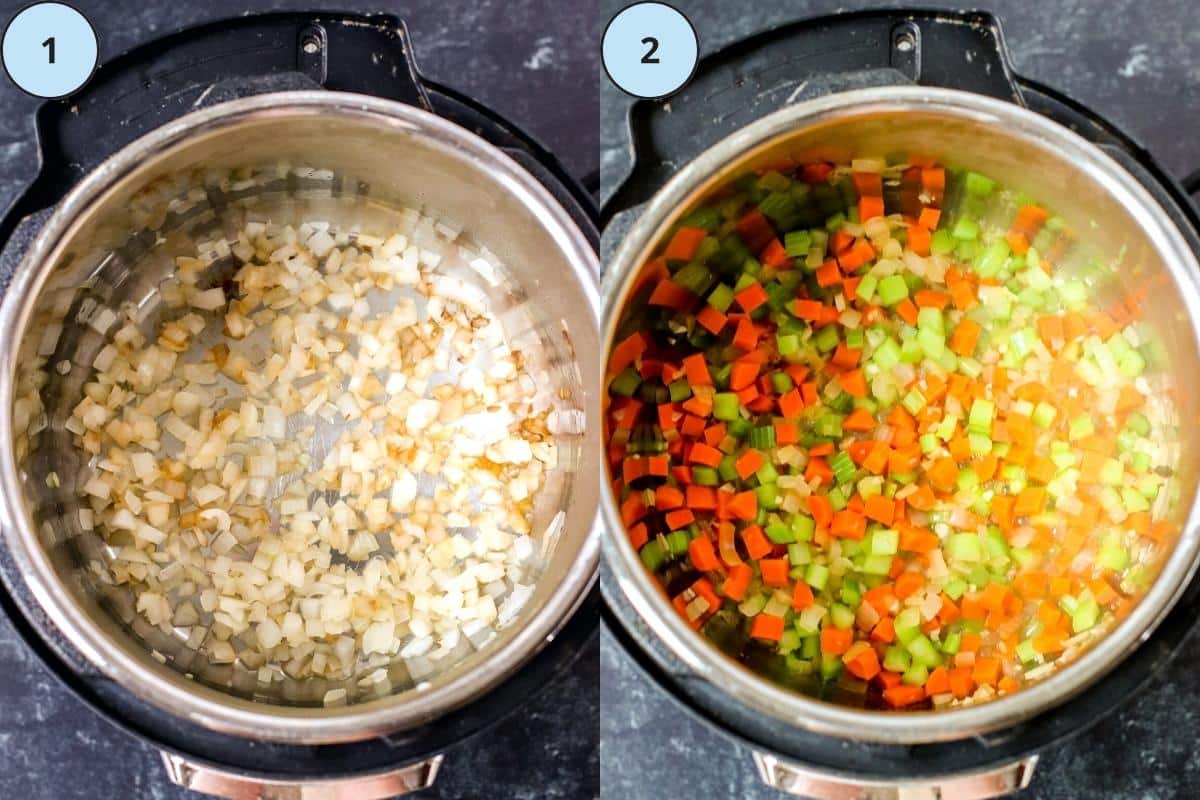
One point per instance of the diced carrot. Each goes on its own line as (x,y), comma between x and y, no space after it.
(1030,501)
(802,596)
(767,627)
(927,298)
(737,581)
(744,505)
(627,352)
(742,374)
(696,370)
(679,518)
(749,463)
(909,583)
(751,297)
(703,554)
(965,337)
(880,509)
(917,540)
(829,274)
(821,509)
(835,641)
(938,681)
(928,218)
(865,665)
(870,207)
(860,419)
(961,682)
(809,310)
(711,320)
(884,630)
(701,498)
(684,244)
(903,695)
(638,535)
(986,671)
(907,311)
(755,230)
(705,455)
(943,474)
(845,356)
(775,255)
(919,240)
(745,336)
(667,497)
(774,572)
(847,524)
(853,382)
(756,542)
(786,433)
(669,294)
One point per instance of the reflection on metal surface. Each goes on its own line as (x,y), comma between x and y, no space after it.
(803,782)
(232,786)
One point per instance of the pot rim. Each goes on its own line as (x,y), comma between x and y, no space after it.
(170,691)
(703,660)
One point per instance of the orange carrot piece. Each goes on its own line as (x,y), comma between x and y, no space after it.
(669,294)
(711,320)
(737,582)
(880,509)
(835,641)
(774,572)
(751,297)
(847,524)
(854,382)
(695,368)
(703,554)
(767,627)
(903,695)
(684,244)
(860,419)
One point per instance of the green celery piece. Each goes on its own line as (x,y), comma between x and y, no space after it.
(914,401)
(964,547)
(979,185)
(954,588)
(799,554)
(788,344)
(887,354)
(980,418)
(653,555)
(803,527)
(908,625)
(721,297)
(726,406)
(817,576)
(797,243)
(1081,428)
(933,344)
(1044,414)
(892,290)
(680,390)
(767,473)
(1026,652)
(923,651)
(915,675)
(841,616)
(951,643)
(1113,554)
(885,542)
(876,565)
(827,339)
(896,659)
(781,382)
(943,242)
(705,476)
(626,383)
(1085,616)
(727,469)
(866,288)
(779,533)
(965,229)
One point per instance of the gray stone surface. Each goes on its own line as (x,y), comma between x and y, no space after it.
(1138,63)
(535,63)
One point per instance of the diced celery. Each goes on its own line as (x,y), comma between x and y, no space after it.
(979,185)
(1044,414)
(679,391)
(1138,423)
(1081,427)
(942,242)
(721,297)
(803,527)
(781,382)
(767,473)
(1134,501)
(908,625)
(827,339)
(951,643)
(626,382)
(1112,472)
(788,344)
(914,401)
(896,659)
(653,554)
(964,547)
(915,675)
(933,344)
(876,565)
(980,418)
(705,476)
(1085,616)
(965,229)
(892,290)
(816,576)
(1113,554)
(726,406)
(954,588)
(887,354)
(866,288)
(1026,652)
(797,243)
(799,554)
(841,616)
(929,443)
(923,651)
(885,542)
(981,445)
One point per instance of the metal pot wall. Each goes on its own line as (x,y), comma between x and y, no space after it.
(356,160)
(1095,194)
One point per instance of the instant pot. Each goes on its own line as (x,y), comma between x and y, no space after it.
(136,160)
(935,83)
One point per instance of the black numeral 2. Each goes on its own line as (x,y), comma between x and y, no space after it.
(649,58)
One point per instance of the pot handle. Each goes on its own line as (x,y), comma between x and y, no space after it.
(232,786)
(800,781)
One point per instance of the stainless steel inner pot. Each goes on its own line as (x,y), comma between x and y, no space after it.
(1115,218)
(355,161)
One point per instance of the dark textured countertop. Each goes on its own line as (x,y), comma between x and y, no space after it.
(537,66)
(1137,63)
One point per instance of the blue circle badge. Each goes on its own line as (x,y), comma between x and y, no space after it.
(50,50)
(650,50)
